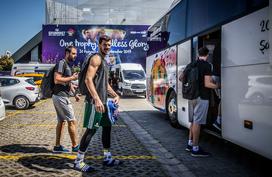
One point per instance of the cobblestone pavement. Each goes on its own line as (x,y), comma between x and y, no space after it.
(27,138)
(227,160)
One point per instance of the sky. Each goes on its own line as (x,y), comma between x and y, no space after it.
(20,21)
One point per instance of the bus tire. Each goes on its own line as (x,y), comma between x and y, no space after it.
(172,110)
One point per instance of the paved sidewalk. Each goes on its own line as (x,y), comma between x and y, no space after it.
(28,136)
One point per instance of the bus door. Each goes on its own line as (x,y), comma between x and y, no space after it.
(212,40)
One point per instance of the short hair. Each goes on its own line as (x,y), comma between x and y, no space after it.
(104,38)
(69,48)
(203,51)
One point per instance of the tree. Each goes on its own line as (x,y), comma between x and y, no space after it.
(6,63)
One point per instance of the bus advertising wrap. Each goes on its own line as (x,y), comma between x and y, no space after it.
(129,43)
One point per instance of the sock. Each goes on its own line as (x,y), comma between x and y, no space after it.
(107,154)
(80,156)
(105,150)
(190,142)
(195,148)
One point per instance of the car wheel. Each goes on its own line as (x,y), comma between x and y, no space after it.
(21,102)
(172,110)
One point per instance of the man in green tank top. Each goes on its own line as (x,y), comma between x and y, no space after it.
(96,114)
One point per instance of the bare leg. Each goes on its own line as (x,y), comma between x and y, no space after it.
(196,133)
(191,132)
(72,125)
(59,132)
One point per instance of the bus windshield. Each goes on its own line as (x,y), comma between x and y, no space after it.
(134,74)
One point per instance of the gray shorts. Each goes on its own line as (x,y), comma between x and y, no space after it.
(198,110)
(63,107)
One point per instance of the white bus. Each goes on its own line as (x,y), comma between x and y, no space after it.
(237,33)
(19,68)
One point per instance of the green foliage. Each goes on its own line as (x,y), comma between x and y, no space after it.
(6,63)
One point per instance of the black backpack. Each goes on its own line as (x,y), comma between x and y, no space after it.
(48,84)
(190,81)
(82,74)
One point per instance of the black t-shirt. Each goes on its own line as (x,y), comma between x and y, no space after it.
(204,68)
(63,68)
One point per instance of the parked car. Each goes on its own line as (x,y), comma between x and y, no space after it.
(2,109)
(37,77)
(20,92)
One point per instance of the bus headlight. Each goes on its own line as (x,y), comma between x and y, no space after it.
(127,84)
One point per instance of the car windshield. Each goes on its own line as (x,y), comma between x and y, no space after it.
(30,81)
(37,78)
(134,74)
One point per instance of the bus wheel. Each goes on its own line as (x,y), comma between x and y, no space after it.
(172,110)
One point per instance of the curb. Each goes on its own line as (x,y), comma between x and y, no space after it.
(172,166)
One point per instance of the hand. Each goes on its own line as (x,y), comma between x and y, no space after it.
(74,76)
(77,98)
(116,99)
(99,107)
(74,86)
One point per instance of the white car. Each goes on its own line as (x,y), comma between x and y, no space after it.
(20,92)
(2,109)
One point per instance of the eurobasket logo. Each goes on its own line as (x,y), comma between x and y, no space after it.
(71,32)
(56,33)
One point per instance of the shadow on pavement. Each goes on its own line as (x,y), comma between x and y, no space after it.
(133,97)
(14,109)
(50,164)
(25,148)
(46,163)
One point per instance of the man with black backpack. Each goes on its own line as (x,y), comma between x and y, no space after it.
(199,105)
(61,92)
(97,89)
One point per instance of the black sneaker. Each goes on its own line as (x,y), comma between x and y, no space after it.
(60,149)
(189,148)
(75,149)
(199,153)
(217,125)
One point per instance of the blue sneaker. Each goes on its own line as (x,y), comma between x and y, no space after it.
(75,149)
(60,149)
(110,162)
(83,167)
(199,153)
(189,148)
